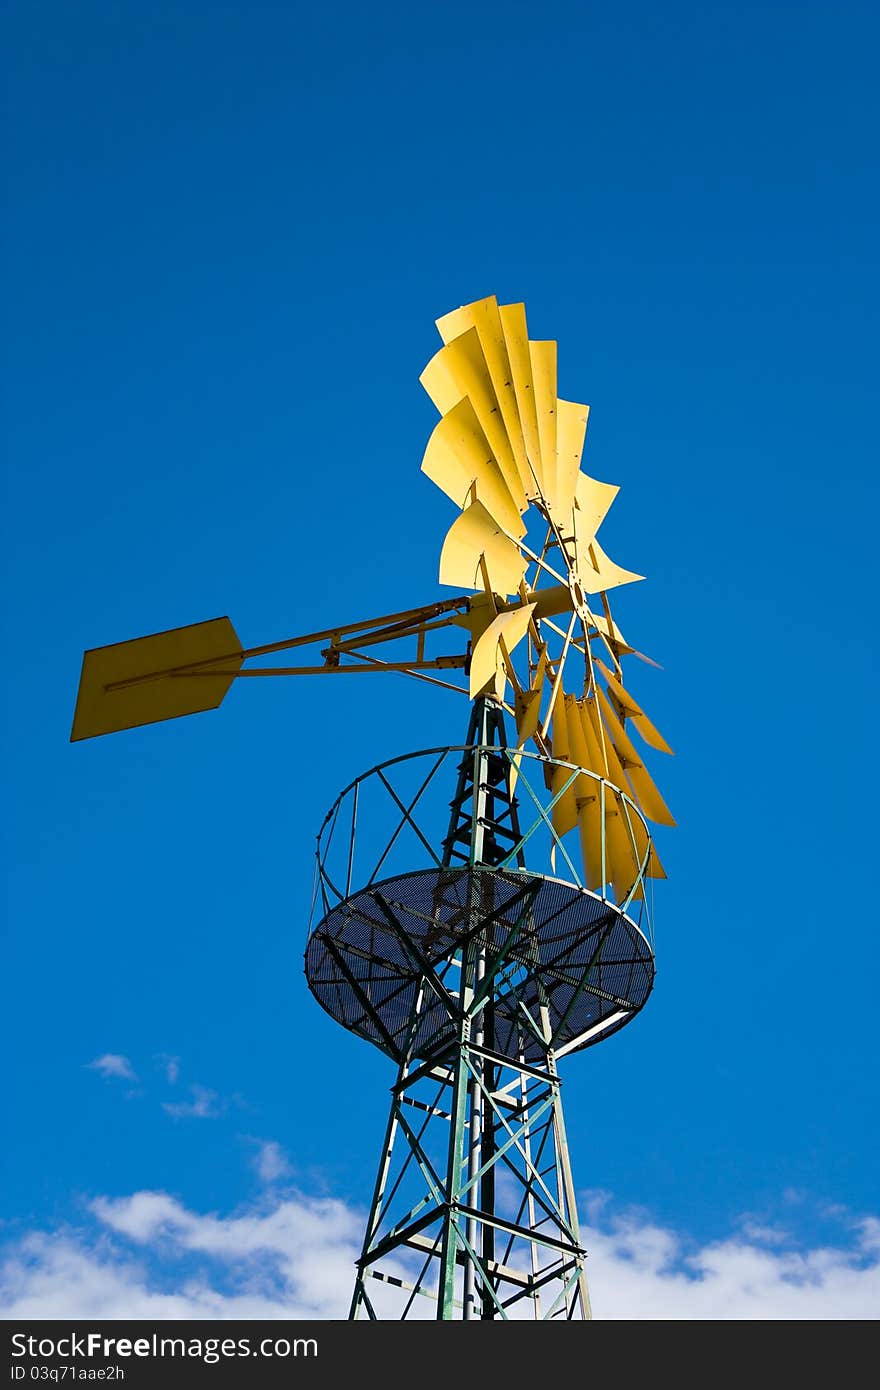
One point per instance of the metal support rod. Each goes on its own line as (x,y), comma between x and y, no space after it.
(385,1161)
(568,1190)
(475,1137)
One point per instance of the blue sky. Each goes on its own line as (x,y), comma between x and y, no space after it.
(229,230)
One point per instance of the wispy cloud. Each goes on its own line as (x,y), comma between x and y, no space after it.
(171,1067)
(869,1233)
(642,1270)
(270,1161)
(205,1105)
(150,1256)
(295,1259)
(113,1064)
(762,1233)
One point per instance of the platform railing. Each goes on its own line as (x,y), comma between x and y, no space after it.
(394,818)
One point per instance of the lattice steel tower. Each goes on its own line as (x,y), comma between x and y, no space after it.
(482,910)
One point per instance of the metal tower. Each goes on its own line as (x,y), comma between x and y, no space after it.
(474,975)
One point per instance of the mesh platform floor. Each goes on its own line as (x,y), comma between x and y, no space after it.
(578,954)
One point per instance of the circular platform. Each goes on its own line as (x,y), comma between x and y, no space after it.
(565,949)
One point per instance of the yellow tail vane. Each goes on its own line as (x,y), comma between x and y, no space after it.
(184,671)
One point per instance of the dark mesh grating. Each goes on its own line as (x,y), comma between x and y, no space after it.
(561,934)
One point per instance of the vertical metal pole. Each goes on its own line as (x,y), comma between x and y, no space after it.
(530,1191)
(465,1113)
(474,976)
(487,1195)
(378,1191)
(569,1206)
(493,737)
(385,1160)
(604,882)
(454,1166)
(475,1142)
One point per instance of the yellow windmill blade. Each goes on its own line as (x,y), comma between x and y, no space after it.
(655,869)
(628,851)
(592,502)
(625,834)
(576,747)
(488,659)
(618,862)
(503,422)
(591,741)
(615,758)
(590,830)
(598,574)
(487,355)
(542,356)
(460,461)
(600,864)
(476,552)
(630,709)
(516,336)
(458,370)
(615,641)
(612,633)
(564,815)
(484,318)
(507,440)
(622,861)
(571,429)
(629,846)
(527,706)
(587,798)
(644,791)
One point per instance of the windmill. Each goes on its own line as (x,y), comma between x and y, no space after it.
(476,940)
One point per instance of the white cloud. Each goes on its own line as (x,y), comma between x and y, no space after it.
(270,1161)
(303,1247)
(293,1257)
(763,1234)
(205,1105)
(171,1067)
(869,1228)
(639,1270)
(61,1276)
(113,1064)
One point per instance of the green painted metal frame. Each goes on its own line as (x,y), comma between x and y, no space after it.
(441,1233)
